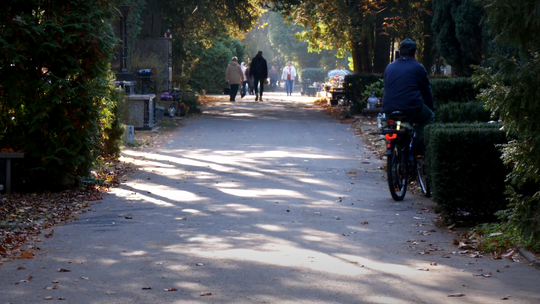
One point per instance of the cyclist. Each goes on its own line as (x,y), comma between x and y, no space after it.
(407,89)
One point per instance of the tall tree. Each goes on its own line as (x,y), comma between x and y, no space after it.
(199,21)
(456,24)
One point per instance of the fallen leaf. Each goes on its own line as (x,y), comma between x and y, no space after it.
(337,218)
(495,234)
(48,298)
(128,217)
(199,264)
(170,289)
(451,226)
(85,278)
(206,294)
(464,246)
(146,288)
(364,223)
(110,292)
(433,264)
(51,287)
(505,298)
(61,299)
(49,235)
(21,268)
(455,295)
(63,270)
(27,255)
(55,281)
(422,269)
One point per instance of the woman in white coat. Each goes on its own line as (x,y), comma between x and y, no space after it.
(288,75)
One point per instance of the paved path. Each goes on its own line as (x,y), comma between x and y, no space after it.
(260,202)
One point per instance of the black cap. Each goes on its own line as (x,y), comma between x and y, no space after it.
(407,47)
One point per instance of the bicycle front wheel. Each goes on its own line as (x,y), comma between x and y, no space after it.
(396,171)
(422,177)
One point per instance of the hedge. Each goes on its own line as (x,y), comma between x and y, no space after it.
(473,111)
(465,168)
(446,90)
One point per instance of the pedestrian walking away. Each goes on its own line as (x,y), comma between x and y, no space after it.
(249,81)
(288,75)
(244,83)
(234,77)
(407,89)
(259,70)
(274,76)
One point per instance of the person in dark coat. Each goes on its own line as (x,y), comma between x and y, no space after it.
(407,89)
(259,70)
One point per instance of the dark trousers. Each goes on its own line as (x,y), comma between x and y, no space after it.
(234,91)
(256,85)
(273,84)
(243,88)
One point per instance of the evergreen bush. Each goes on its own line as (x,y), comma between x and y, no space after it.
(473,111)
(55,87)
(447,90)
(465,168)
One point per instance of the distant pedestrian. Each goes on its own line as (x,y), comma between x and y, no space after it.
(249,81)
(244,83)
(274,76)
(288,75)
(234,77)
(259,70)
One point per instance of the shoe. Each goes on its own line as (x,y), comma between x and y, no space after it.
(256,98)
(260,98)
(242,95)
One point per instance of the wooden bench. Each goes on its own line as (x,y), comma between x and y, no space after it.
(8,157)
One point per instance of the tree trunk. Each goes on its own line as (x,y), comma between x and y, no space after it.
(381,55)
(356,55)
(430,48)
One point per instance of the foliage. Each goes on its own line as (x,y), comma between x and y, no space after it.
(209,70)
(465,168)
(315,75)
(447,90)
(376,87)
(54,91)
(459,34)
(354,86)
(190,103)
(199,22)
(471,112)
(513,91)
(493,237)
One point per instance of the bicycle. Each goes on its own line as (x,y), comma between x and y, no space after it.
(401,165)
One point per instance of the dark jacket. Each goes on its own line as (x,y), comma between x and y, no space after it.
(406,87)
(258,67)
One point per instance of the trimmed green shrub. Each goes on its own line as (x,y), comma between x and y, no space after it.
(447,90)
(473,111)
(316,75)
(465,168)
(354,85)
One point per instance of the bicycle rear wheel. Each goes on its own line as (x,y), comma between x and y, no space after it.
(396,172)
(422,177)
